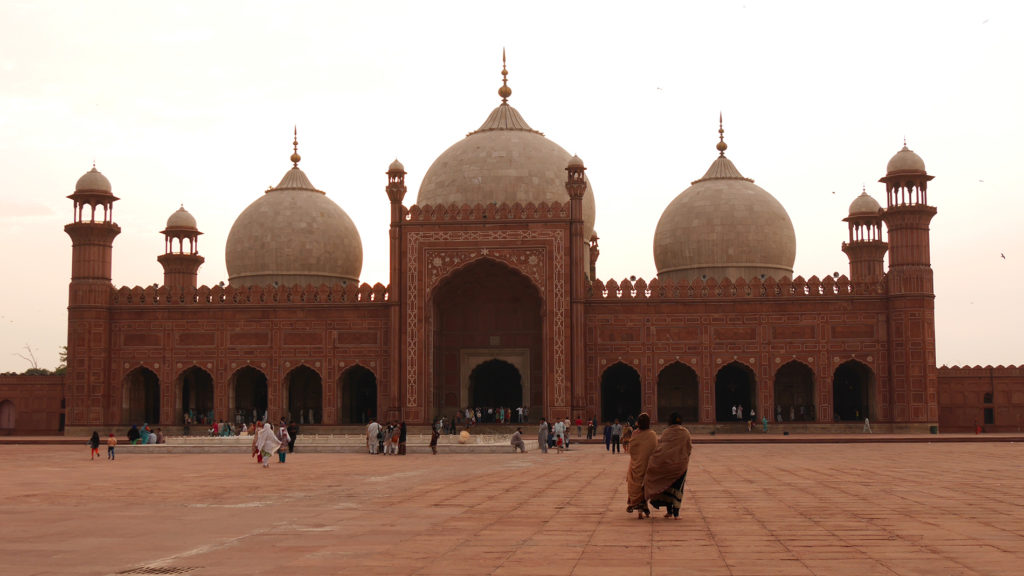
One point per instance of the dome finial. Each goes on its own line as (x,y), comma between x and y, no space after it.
(722,146)
(295,148)
(504,91)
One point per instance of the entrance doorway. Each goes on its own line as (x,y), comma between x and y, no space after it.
(195,388)
(735,384)
(853,392)
(141,402)
(7,416)
(495,383)
(620,393)
(358,396)
(678,391)
(305,396)
(249,393)
(794,393)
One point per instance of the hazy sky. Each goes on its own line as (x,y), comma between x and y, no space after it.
(193,103)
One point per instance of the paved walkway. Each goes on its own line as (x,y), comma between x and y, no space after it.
(944,508)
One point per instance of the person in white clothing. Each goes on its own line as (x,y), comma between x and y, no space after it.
(372,430)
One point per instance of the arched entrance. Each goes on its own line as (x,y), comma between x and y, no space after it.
(735,385)
(794,393)
(141,397)
(853,392)
(678,391)
(495,383)
(248,388)
(620,393)
(484,311)
(7,414)
(195,396)
(357,396)
(305,396)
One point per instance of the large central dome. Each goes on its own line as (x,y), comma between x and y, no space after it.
(503,161)
(293,234)
(724,226)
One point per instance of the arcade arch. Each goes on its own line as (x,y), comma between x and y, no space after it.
(7,416)
(794,392)
(495,383)
(735,385)
(620,392)
(486,311)
(305,395)
(140,397)
(853,392)
(194,396)
(678,391)
(357,395)
(248,393)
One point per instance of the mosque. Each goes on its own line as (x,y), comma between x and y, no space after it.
(494,300)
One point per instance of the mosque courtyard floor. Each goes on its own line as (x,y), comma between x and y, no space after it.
(942,508)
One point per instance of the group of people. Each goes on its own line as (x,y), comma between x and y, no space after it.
(145,435)
(657,467)
(554,434)
(468,417)
(390,438)
(268,441)
(94,446)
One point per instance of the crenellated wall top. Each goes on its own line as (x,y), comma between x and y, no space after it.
(986,371)
(350,293)
(658,289)
(486,213)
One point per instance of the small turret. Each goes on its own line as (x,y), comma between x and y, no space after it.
(181,266)
(865,247)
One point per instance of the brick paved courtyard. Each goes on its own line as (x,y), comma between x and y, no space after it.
(944,508)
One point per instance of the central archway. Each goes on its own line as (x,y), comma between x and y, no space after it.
(358,395)
(620,393)
(794,392)
(495,383)
(853,392)
(678,391)
(305,396)
(249,393)
(482,312)
(735,385)
(195,396)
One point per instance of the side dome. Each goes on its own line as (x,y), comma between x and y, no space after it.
(181,219)
(724,226)
(93,181)
(503,161)
(905,161)
(864,204)
(293,234)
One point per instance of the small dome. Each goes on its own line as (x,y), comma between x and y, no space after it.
(864,204)
(575,162)
(396,166)
(293,234)
(93,181)
(905,161)
(724,226)
(181,219)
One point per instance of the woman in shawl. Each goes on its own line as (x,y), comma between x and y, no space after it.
(666,471)
(267,443)
(642,445)
(94,446)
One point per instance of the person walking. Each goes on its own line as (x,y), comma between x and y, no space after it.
(867,425)
(372,435)
(111,444)
(666,470)
(94,446)
(403,435)
(285,439)
(616,436)
(293,433)
(607,437)
(434,435)
(542,436)
(267,443)
(642,445)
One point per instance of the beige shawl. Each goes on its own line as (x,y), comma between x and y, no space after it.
(641,447)
(669,461)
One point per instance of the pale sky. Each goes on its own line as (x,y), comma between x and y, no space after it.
(194,102)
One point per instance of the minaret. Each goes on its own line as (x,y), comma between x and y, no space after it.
(913,375)
(579,264)
(92,233)
(865,248)
(396,191)
(180,265)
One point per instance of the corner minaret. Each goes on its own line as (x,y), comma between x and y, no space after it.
(911,296)
(396,191)
(180,265)
(579,267)
(92,233)
(865,248)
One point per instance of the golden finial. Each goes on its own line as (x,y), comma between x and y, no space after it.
(721,137)
(295,147)
(504,91)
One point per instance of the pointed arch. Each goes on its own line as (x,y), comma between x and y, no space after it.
(678,391)
(193,395)
(247,393)
(305,395)
(794,392)
(620,392)
(357,395)
(494,383)
(854,392)
(735,386)
(140,399)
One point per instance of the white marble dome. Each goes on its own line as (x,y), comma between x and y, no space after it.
(93,181)
(905,161)
(181,219)
(864,205)
(724,226)
(293,234)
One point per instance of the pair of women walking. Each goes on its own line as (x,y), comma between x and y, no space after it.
(657,467)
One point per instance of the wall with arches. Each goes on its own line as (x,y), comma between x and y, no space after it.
(31,404)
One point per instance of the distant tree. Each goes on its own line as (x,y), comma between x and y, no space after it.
(29,357)
(63,366)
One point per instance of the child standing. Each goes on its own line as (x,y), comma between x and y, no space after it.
(111,443)
(94,445)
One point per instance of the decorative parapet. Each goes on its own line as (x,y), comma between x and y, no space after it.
(230,295)
(755,288)
(986,371)
(489,212)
